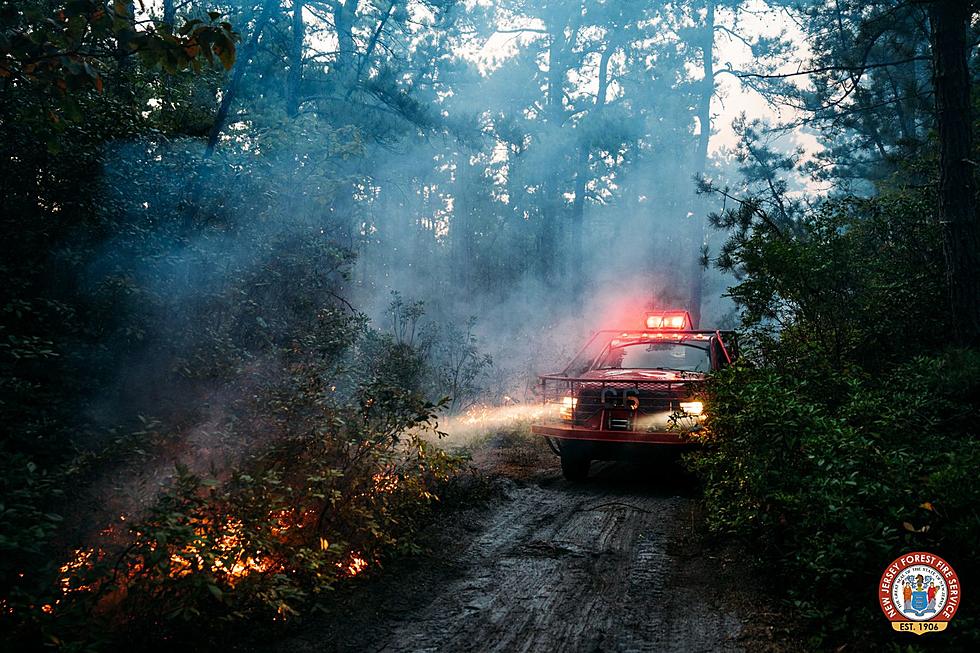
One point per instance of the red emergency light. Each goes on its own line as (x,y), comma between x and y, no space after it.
(669,320)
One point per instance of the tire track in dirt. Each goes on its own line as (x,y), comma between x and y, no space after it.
(560,567)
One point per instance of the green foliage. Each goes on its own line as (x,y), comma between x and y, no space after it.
(61,51)
(847,436)
(290,522)
(334,481)
(441,361)
(852,282)
(460,367)
(26,527)
(835,492)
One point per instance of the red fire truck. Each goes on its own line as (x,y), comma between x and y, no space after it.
(631,391)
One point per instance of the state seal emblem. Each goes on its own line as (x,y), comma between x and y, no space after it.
(919,593)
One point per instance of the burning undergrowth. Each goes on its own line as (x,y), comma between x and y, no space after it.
(304,458)
(318,506)
(289,448)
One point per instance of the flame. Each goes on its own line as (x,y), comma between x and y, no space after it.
(220,547)
(385,481)
(229,544)
(80,559)
(284,520)
(354,565)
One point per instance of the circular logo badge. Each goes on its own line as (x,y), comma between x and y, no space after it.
(919,593)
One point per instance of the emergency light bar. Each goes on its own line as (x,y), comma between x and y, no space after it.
(674,320)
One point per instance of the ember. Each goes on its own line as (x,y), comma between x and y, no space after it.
(385,481)
(81,558)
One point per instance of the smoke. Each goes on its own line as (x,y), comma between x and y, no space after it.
(639,252)
(225,259)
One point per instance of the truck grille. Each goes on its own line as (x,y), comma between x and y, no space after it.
(619,424)
(620,405)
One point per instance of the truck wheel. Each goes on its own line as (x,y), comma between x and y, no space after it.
(574,466)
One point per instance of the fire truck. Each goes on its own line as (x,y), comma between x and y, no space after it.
(630,392)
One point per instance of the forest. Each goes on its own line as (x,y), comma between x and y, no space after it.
(258,258)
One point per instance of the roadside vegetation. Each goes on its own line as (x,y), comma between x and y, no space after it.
(315,463)
(847,434)
(200,429)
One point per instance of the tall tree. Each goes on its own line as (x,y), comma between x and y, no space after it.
(707,92)
(949,20)
(266,13)
(577,222)
(294,81)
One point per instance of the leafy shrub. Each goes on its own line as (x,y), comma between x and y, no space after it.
(439,360)
(835,493)
(847,437)
(852,283)
(341,489)
(327,469)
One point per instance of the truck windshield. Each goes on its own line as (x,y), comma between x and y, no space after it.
(657,355)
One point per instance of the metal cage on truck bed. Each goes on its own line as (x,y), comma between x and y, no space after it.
(581,405)
(621,410)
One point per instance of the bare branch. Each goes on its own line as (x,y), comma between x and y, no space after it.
(824,69)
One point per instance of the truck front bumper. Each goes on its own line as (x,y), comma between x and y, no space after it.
(570,432)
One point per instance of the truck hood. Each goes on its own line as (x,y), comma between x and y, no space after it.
(642,375)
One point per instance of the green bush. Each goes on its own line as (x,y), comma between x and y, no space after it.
(847,435)
(835,493)
(340,490)
(328,467)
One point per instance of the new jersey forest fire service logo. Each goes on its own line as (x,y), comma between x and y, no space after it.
(919,593)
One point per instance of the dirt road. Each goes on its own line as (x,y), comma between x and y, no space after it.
(551,566)
(562,568)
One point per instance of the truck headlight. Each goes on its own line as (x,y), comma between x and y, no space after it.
(567,410)
(692,407)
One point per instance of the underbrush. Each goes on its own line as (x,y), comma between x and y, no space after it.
(835,493)
(301,435)
(304,443)
(847,437)
(266,541)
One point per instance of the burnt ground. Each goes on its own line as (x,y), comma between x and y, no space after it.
(619,563)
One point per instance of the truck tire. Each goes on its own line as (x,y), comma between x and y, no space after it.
(575,466)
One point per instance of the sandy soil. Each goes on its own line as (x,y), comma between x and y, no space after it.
(614,564)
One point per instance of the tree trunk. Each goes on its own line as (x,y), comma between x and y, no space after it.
(563,30)
(241,62)
(294,81)
(167,92)
(124,55)
(373,41)
(948,21)
(461,227)
(344,15)
(546,243)
(576,231)
(696,288)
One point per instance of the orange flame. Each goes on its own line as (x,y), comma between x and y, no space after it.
(230,544)
(354,565)
(80,559)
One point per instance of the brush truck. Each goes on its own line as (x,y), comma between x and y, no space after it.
(632,392)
